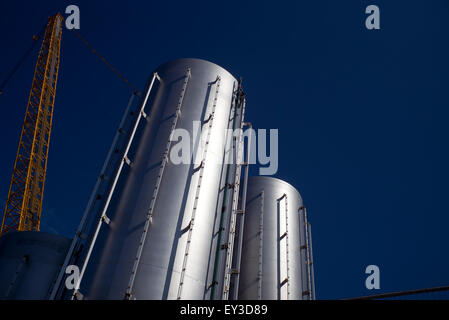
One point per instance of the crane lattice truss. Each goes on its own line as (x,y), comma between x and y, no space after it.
(24,203)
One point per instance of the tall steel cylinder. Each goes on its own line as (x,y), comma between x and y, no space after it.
(159,237)
(276,253)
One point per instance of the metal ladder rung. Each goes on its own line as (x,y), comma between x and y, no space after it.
(126,159)
(105,219)
(285,281)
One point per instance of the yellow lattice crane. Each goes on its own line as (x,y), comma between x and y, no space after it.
(24,203)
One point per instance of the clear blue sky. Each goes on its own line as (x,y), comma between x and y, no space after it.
(362,115)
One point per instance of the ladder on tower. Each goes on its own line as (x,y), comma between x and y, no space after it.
(198,188)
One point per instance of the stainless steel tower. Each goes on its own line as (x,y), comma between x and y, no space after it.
(276,260)
(156,229)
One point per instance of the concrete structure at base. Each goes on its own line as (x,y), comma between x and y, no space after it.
(276,260)
(29,264)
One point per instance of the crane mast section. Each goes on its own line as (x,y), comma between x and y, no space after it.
(24,203)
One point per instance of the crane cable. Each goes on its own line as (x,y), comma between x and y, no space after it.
(106,63)
(22,59)
(35,41)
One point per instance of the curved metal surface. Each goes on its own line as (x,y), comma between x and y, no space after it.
(273,261)
(29,262)
(162,268)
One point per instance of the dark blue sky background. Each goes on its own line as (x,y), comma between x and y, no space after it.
(362,115)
